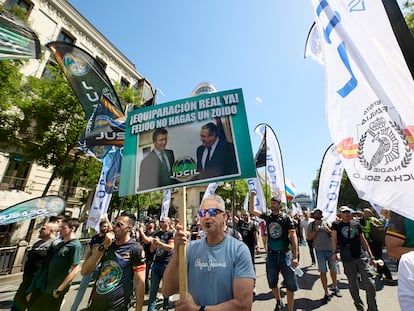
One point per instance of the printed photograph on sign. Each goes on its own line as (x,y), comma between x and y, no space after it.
(196,140)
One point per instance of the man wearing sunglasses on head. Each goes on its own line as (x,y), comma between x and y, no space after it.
(349,238)
(220,270)
(122,268)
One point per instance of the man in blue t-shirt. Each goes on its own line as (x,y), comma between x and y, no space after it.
(217,262)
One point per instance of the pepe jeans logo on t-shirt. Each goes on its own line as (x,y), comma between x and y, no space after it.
(209,265)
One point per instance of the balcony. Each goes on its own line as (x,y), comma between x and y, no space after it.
(74,194)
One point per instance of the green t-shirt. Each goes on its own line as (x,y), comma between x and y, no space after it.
(58,267)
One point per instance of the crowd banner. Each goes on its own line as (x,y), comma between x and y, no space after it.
(17,40)
(369,101)
(166,201)
(169,145)
(211,189)
(274,163)
(50,205)
(330,176)
(107,184)
(313,46)
(85,75)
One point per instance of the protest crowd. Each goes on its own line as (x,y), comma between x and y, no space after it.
(135,264)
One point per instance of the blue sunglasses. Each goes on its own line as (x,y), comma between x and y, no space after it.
(211,211)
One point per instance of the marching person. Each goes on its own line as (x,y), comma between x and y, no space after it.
(220,271)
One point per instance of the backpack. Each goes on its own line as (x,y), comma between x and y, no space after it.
(377,232)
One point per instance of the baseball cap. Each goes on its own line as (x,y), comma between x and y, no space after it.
(345,209)
(317,210)
(276,199)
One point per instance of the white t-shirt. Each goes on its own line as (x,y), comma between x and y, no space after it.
(406,281)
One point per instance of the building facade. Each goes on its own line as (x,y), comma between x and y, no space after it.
(57,20)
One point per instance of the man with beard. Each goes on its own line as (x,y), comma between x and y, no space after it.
(320,233)
(122,261)
(281,232)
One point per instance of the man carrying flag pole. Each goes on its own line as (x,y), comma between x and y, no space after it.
(281,232)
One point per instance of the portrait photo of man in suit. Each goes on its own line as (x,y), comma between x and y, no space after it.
(215,156)
(155,169)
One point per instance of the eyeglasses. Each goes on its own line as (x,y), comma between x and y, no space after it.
(211,211)
(119,224)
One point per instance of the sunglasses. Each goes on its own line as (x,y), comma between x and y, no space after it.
(211,211)
(119,224)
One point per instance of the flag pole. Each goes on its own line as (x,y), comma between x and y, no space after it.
(182,255)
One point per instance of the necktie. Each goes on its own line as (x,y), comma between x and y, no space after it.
(207,157)
(165,171)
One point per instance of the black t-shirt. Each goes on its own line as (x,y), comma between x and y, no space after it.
(194,231)
(115,282)
(160,254)
(349,234)
(248,230)
(278,227)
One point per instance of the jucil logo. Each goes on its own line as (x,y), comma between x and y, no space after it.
(76,64)
(184,169)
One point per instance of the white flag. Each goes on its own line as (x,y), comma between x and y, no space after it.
(274,164)
(313,46)
(100,203)
(369,101)
(260,202)
(330,177)
(166,203)
(211,189)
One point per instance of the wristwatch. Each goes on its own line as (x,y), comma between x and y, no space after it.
(202,308)
(57,292)
(102,248)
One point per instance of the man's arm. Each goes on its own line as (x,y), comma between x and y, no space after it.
(365,245)
(66,282)
(252,210)
(242,298)
(395,247)
(334,244)
(93,260)
(294,242)
(139,278)
(170,279)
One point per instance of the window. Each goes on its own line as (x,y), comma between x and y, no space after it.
(21,8)
(65,37)
(124,84)
(101,62)
(48,71)
(16,173)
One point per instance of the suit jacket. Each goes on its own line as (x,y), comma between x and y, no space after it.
(222,162)
(151,175)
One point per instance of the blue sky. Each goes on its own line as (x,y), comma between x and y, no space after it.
(254,45)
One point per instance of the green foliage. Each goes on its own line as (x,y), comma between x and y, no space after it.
(408,6)
(128,95)
(52,124)
(233,192)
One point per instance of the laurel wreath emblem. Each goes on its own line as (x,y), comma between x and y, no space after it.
(408,152)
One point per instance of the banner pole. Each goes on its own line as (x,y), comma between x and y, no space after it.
(182,255)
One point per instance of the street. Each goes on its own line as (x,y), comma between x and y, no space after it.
(308,297)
